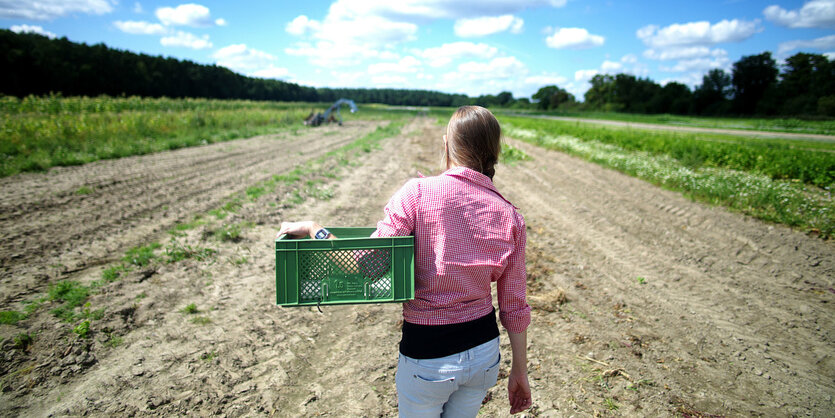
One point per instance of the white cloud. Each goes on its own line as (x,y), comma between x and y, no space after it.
(574,38)
(446,53)
(389,80)
(684,53)
(629,59)
(610,66)
(368,27)
(585,75)
(51,9)
(301,25)
(502,67)
(333,54)
(408,64)
(544,79)
(271,72)
(488,25)
(189,14)
(137,8)
(697,33)
(830,55)
(476,78)
(820,44)
(186,40)
(33,29)
(813,14)
(373,30)
(700,64)
(240,58)
(140,28)
(421,10)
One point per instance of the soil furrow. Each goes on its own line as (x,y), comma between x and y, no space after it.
(80,232)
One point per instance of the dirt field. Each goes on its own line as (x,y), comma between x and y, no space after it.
(645,303)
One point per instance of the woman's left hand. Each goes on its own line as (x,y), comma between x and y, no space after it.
(297,229)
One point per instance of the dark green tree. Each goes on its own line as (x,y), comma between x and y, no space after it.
(752,76)
(552,97)
(713,95)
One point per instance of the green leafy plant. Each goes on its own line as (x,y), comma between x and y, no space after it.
(82,329)
(141,256)
(11,317)
(176,251)
(71,293)
(201,320)
(23,341)
(190,309)
(84,190)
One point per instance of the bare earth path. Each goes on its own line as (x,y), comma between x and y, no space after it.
(672,307)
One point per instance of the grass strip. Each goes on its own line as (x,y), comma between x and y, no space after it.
(786,125)
(757,195)
(810,162)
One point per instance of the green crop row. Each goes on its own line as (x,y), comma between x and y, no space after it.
(781,201)
(789,125)
(56,104)
(810,162)
(43,132)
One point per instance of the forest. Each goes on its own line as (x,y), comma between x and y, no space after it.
(803,86)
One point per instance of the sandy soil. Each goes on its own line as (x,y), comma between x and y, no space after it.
(645,303)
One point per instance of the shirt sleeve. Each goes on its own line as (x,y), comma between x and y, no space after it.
(400,212)
(514,311)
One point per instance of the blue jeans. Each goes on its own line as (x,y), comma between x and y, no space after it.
(452,386)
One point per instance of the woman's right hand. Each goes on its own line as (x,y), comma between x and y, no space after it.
(518,391)
(298,229)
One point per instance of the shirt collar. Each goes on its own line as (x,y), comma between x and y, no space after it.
(472,176)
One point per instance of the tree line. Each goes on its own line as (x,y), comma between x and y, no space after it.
(37,65)
(803,86)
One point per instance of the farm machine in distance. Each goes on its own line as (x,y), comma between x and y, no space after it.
(316,119)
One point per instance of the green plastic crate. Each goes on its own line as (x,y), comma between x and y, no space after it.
(353,268)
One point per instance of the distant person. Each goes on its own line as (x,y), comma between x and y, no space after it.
(466,236)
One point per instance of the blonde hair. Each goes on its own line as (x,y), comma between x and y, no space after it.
(473,140)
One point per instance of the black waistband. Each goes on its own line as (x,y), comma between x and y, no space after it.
(433,341)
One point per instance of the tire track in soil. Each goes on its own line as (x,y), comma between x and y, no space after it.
(53,231)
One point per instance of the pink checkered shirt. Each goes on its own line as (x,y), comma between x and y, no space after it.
(466,236)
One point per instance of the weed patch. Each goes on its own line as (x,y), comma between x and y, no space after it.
(190,309)
(141,256)
(11,317)
(175,251)
(82,329)
(84,190)
(23,341)
(511,154)
(71,294)
(201,320)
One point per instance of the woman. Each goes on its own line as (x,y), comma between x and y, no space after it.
(466,236)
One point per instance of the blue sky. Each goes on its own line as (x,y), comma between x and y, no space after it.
(470,47)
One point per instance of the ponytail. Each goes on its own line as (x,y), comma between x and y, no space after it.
(473,140)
